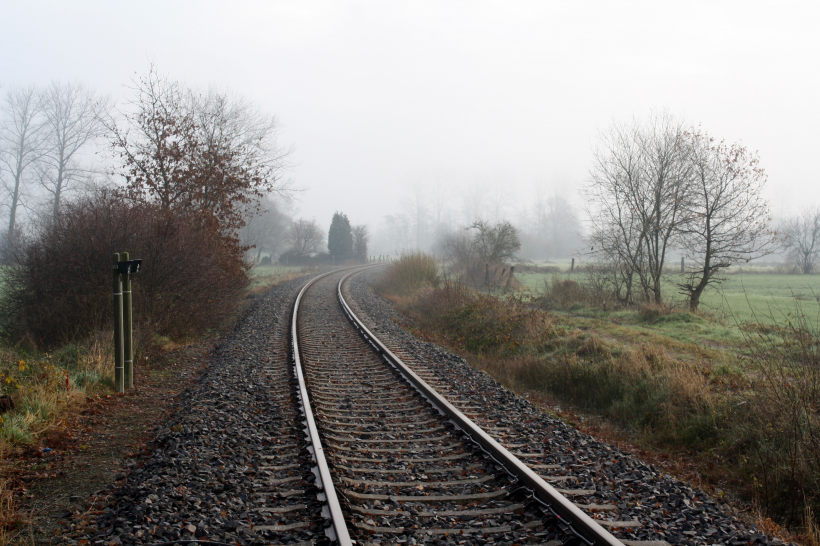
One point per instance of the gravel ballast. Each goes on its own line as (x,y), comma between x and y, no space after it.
(230,464)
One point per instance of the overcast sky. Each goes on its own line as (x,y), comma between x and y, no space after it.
(376,95)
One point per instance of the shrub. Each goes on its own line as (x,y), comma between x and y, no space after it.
(58,282)
(475,322)
(413,270)
(561,293)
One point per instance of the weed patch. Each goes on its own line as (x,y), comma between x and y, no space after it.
(475,322)
(412,271)
(41,388)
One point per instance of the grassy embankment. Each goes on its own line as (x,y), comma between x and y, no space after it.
(742,400)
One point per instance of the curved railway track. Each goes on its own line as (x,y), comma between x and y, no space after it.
(309,430)
(395,461)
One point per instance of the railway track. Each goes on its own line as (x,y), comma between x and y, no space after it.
(304,429)
(395,461)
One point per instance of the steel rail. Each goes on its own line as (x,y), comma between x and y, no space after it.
(341,534)
(577,521)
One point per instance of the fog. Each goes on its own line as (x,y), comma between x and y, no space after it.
(379,98)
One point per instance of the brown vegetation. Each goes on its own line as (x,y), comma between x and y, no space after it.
(755,424)
(412,271)
(58,283)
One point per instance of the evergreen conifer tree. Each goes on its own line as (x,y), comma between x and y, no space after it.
(340,238)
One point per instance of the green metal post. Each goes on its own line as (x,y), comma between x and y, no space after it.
(128,347)
(118,337)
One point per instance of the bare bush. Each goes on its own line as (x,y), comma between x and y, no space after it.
(58,283)
(561,293)
(306,238)
(478,257)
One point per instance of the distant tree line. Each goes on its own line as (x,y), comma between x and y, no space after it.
(346,243)
(436,207)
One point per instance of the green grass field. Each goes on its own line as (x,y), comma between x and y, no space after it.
(750,296)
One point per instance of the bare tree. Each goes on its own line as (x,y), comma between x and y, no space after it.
(265,231)
(473,202)
(495,243)
(801,239)
(636,195)
(230,127)
(211,156)
(22,143)
(73,116)
(361,236)
(441,193)
(396,228)
(306,237)
(727,219)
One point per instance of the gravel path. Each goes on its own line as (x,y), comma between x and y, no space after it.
(629,497)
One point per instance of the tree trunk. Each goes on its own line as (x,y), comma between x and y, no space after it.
(694,294)
(15,197)
(58,187)
(694,297)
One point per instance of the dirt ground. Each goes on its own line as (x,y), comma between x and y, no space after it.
(61,484)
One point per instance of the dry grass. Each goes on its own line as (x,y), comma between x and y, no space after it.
(9,516)
(266,277)
(412,271)
(46,388)
(810,536)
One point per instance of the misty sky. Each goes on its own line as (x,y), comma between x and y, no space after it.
(378,95)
